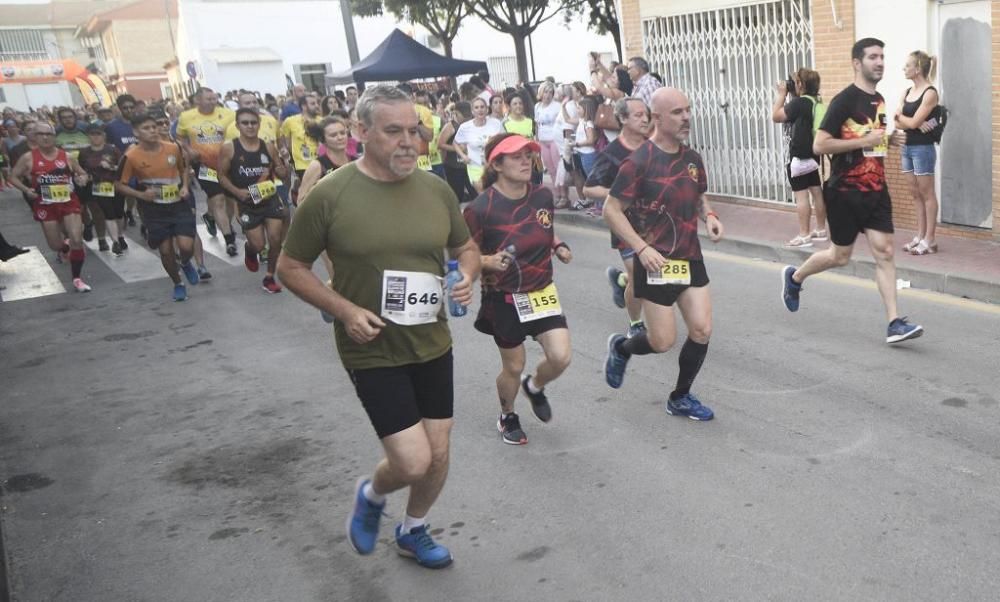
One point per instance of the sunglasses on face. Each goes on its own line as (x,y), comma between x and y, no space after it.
(249,123)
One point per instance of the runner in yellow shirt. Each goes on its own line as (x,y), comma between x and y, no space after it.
(268,124)
(201,133)
(292,136)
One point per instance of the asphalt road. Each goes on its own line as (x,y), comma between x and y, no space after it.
(154,451)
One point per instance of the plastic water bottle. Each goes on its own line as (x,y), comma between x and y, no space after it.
(453,277)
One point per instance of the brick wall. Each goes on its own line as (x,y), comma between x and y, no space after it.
(631,26)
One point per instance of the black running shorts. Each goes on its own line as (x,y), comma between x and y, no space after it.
(666,294)
(803,182)
(253,216)
(498,317)
(850,212)
(399,397)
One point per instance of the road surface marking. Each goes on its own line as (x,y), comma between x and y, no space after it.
(137,264)
(29,276)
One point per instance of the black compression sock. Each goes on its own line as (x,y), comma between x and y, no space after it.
(230,238)
(691,358)
(637,345)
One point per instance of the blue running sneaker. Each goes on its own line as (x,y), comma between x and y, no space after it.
(418,544)
(180,292)
(634,329)
(688,405)
(362,524)
(614,363)
(900,330)
(790,289)
(617,291)
(191,273)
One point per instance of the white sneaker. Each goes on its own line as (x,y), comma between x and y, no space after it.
(81,286)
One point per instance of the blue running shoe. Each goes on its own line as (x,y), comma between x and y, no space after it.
(790,289)
(362,524)
(418,544)
(614,363)
(635,329)
(900,330)
(688,405)
(617,291)
(180,292)
(190,272)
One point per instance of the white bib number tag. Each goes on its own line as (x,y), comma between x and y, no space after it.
(675,271)
(208,174)
(166,194)
(261,191)
(411,298)
(57,193)
(537,304)
(104,189)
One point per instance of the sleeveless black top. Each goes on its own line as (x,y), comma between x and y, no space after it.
(250,167)
(327,163)
(915,137)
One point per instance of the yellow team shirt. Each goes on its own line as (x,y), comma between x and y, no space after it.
(268,131)
(303,147)
(205,133)
(426,117)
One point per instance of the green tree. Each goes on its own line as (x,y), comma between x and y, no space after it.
(602,18)
(440,17)
(519,19)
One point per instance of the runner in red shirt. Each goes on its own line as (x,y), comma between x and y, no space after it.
(54,177)
(512,222)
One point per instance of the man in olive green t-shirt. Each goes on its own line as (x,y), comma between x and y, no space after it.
(385,226)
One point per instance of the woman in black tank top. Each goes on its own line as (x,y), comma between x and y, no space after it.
(916,115)
(454,170)
(332,134)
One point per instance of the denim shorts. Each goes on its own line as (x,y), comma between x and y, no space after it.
(919,159)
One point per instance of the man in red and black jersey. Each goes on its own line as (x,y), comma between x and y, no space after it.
(662,185)
(856,195)
(54,176)
(512,222)
(633,114)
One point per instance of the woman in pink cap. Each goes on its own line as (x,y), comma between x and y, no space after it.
(512,222)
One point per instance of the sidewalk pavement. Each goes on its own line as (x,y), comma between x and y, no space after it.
(963,267)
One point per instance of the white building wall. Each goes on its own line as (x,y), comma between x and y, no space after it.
(904,26)
(299,31)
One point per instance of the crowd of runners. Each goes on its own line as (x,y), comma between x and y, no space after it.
(375,185)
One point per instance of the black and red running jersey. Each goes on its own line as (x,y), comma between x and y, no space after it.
(663,191)
(525,225)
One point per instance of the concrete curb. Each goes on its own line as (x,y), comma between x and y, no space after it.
(863,266)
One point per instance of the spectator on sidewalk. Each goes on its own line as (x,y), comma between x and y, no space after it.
(803,166)
(915,115)
(645,83)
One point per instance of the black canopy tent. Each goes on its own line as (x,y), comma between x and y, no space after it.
(400,58)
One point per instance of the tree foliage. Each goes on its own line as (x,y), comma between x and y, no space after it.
(602,18)
(440,17)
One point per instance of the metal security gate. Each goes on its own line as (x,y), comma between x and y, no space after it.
(728,61)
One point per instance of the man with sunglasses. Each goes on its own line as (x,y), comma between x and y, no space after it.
(121,135)
(163,124)
(54,175)
(249,168)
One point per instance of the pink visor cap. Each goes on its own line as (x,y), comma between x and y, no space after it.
(513,144)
